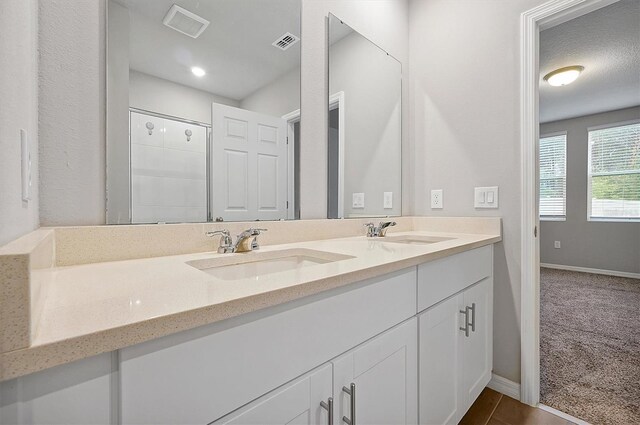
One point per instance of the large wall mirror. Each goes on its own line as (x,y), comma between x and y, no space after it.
(203,110)
(365,126)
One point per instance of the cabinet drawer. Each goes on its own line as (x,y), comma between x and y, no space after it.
(442,278)
(203,374)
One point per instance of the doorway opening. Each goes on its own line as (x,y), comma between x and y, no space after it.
(579,186)
(335,155)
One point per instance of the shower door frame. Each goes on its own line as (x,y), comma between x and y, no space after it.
(207,156)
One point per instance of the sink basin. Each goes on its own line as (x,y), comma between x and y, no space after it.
(415,239)
(255,264)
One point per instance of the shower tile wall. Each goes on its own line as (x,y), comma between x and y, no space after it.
(168,172)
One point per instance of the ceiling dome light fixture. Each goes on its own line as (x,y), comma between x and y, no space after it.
(198,72)
(563,76)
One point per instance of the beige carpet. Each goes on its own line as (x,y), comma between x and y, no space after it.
(590,346)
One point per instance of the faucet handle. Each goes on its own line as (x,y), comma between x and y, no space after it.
(223,232)
(225,241)
(256,232)
(371,229)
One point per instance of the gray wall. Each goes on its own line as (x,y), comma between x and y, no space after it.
(592,244)
(158,95)
(118,150)
(465,128)
(277,98)
(371,82)
(18,110)
(72,112)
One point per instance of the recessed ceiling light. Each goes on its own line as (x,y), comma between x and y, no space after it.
(198,72)
(564,76)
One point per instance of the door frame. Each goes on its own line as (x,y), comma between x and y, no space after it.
(291,118)
(337,100)
(533,21)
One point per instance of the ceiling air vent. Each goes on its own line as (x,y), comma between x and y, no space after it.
(185,22)
(286,41)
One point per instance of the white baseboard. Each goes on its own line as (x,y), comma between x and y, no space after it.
(563,415)
(589,270)
(504,386)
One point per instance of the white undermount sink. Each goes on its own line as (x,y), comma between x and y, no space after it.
(415,239)
(252,265)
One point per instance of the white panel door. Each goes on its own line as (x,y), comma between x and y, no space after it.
(296,403)
(385,373)
(249,177)
(477,357)
(442,400)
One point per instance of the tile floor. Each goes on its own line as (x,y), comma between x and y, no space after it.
(494,408)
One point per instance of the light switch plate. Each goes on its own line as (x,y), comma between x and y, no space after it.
(437,202)
(557,245)
(388,200)
(358,200)
(486,197)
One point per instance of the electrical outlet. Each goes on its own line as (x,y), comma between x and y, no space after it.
(388,200)
(437,201)
(557,245)
(358,200)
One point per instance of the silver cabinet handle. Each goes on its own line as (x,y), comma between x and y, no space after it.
(352,393)
(473,317)
(328,406)
(466,321)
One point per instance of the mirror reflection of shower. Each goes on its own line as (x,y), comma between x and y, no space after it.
(202,125)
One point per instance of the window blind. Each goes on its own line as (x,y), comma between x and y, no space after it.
(553,176)
(614,172)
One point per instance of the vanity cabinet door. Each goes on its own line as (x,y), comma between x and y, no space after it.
(296,403)
(440,342)
(384,372)
(477,351)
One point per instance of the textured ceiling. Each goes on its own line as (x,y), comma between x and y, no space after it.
(607,43)
(235,50)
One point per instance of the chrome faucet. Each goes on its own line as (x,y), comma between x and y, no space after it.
(245,242)
(379,231)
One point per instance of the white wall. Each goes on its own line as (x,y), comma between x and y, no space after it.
(465,125)
(592,244)
(159,95)
(72,112)
(19,110)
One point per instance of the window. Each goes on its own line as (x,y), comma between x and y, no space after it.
(553,176)
(614,172)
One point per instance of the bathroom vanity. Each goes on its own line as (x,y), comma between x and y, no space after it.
(389,330)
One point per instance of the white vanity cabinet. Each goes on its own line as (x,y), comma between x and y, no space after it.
(199,376)
(455,337)
(379,379)
(295,403)
(396,338)
(380,376)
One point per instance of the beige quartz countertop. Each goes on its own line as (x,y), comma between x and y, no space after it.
(95,308)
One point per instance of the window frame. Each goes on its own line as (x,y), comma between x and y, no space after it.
(589,197)
(566,169)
